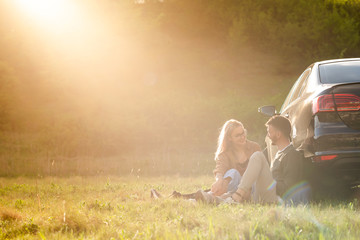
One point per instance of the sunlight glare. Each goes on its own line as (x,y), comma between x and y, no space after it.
(49,12)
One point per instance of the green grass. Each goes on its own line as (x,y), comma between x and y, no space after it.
(121,208)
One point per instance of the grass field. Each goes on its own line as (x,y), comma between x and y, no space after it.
(121,208)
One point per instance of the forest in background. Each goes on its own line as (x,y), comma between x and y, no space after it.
(142,87)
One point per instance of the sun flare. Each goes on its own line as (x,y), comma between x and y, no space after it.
(47,11)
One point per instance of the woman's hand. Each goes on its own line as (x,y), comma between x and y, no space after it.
(220,186)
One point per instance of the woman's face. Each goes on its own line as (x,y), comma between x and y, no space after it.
(238,137)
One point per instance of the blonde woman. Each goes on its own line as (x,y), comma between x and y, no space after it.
(232,157)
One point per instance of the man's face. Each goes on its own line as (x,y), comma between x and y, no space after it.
(238,137)
(273,134)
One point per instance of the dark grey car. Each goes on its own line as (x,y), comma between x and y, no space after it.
(324,109)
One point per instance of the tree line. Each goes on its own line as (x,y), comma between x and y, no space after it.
(144,87)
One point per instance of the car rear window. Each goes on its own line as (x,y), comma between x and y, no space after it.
(340,72)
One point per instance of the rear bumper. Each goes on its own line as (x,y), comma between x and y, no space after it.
(345,168)
(331,134)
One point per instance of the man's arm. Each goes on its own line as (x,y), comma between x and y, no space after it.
(291,172)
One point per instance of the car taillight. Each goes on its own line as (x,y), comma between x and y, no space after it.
(342,102)
(323,158)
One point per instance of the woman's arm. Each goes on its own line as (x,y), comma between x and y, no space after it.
(222,165)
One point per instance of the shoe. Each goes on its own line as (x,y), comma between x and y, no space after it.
(205,197)
(241,196)
(154,194)
(200,196)
(226,195)
(175,194)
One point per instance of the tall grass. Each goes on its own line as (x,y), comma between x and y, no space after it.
(121,208)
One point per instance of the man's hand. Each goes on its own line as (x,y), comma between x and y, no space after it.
(220,186)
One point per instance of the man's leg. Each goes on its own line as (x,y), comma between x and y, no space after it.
(258,172)
(298,194)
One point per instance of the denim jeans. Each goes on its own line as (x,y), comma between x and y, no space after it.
(298,194)
(235,180)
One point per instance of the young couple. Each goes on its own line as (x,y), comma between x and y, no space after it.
(243,173)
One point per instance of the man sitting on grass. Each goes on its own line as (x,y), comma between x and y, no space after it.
(285,178)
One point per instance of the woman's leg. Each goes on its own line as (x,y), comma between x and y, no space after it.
(258,172)
(233,174)
(235,180)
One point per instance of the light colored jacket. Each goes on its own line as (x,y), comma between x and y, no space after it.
(228,160)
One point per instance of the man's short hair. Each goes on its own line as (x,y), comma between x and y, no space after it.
(280,123)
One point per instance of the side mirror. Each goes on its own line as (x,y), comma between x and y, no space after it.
(267,110)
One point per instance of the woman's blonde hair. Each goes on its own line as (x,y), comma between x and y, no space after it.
(226,130)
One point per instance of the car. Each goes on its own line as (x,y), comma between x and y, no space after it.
(324,108)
